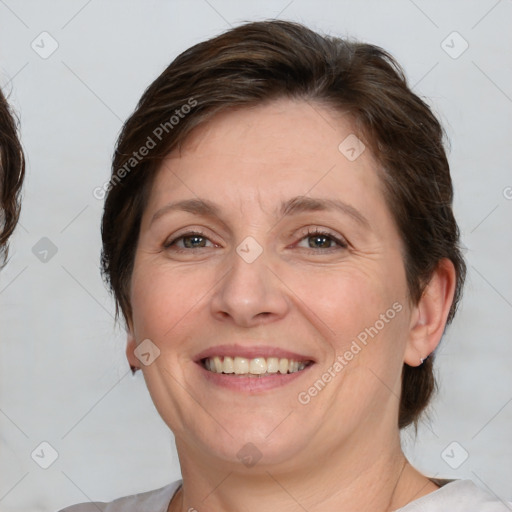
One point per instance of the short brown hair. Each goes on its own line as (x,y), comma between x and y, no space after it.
(12,172)
(261,61)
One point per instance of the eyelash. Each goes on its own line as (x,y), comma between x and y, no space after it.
(342,244)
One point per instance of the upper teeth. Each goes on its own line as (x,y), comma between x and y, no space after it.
(256,366)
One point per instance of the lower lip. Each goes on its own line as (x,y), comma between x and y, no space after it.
(253,383)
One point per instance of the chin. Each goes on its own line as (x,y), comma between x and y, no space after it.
(255,444)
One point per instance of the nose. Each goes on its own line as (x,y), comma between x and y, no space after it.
(250,294)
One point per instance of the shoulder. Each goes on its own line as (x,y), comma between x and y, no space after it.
(156,500)
(457,496)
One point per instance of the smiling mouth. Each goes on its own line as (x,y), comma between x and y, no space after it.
(255,367)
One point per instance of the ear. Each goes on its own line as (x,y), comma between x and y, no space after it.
(131,345)
(428,318)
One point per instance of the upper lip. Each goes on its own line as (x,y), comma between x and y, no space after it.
(250,352)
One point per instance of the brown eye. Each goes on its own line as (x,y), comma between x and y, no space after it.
(194,241)
(320,242)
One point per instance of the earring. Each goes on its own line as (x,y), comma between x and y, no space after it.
(421,360)
(133,369)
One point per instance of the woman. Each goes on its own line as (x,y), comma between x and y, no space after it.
(12,172)
(279,236)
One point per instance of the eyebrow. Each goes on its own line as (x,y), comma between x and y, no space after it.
(195,206)
(301,204)
(294,206)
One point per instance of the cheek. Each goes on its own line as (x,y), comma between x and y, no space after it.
(363,317)
(162,298)
(347,298)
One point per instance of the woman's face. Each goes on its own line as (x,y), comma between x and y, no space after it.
(266,242)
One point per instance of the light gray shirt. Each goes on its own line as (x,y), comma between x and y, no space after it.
(453,496)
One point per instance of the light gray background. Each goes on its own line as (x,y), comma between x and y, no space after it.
(64,376)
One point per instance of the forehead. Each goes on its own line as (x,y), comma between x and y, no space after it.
(268,153)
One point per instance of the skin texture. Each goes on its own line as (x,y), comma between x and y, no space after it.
(342,449)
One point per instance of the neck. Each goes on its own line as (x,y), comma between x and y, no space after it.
(373,479)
